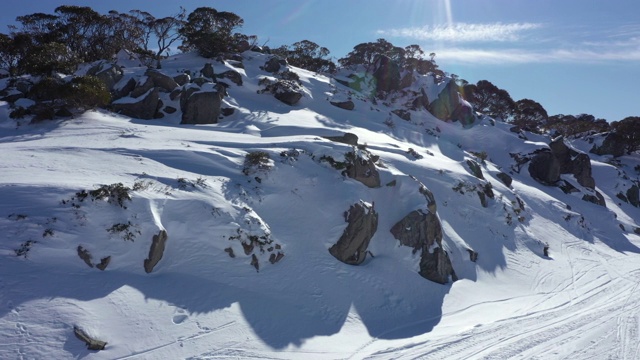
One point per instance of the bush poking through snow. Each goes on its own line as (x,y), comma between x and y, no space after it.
(24,248)
(256,161)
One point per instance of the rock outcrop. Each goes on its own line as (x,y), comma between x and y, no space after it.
(156,251)
(108,73)
(422,231)
(545,167)
(92,344)
(387,74)
(450,106)
(363,169)
(613,144)
(144,108)
(362,221)
(274,64)
(200,107)
(347,105)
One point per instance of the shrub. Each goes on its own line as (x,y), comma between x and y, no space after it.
(256,160)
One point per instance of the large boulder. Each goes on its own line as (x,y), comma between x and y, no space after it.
(450,106)
(160,80)
(200,107)
(437,266)
(418,230)
(274,64)
(545,167)
(144,107)
(387,74)
(347,105)
(233,76)
(287,91)
(573,162)
(362,221)
(108,73)
(347,138)
(633,195)
(613,144)
(363,169)
(207,72)
(90,342)
(156,251)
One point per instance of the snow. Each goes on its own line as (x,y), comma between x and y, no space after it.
(580,302)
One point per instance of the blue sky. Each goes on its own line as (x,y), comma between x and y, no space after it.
(572,56)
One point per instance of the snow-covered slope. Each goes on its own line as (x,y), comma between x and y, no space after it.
(579,302)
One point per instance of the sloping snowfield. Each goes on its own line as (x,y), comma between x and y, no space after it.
(580,302)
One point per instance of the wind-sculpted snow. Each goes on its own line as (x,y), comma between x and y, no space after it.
(579,301)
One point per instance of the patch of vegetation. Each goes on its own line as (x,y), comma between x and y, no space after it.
(126,231)
(184,183)
(482,155)
(256,161)
(17,217)
(113,194)
(24,248)
(338,165)
(47,232)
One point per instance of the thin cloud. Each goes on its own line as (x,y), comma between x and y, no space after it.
(463,32)
(520,56)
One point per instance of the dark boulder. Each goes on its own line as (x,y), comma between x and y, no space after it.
(104,262)
(85,255)
(363,170)
(595,198)
(418,230)
(233,76)
(274,64)
(347,105)
(156,251)
(160,80)
(207,72)
(346,138)
(288,96)
(505,178)
(387,74)
(200,107)
(182,79)
(573,162)
(142,88)
(107,73)
(475,169)
(125,89)
(144,108)
(450,106)
(362,221)
(428,195)
(437,266)
(633,195)
(545,167)
(613,144)
(402,114)
(92,344)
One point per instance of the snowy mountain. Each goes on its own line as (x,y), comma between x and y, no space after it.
(169,240)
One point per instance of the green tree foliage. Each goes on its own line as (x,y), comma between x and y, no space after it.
(307,55)
(490,100)
(629,130)
(570,125)
(210,32)
(530,115)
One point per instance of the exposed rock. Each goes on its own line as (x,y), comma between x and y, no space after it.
(437,266)
(505,178)
(227,111)
(233,76)
(170,109)
(254,262)
(402,114)
(11,95)
(200,107)
(428,195)
(104,262)
(175,94)
(64,112)
(161,80)
(229,251)
(613,144)
(207,72)
(85,255)
(274,258)
(347,138)
(273,64)
(347,105)
(545,168)
(573,162)
(288,95)
(595,198)
(23,85)
(475,168)
(108,73)
(156,251)
(92,344)
(351,248)
(418,230)
(200,81)
(182,79)
(633,195)
(363,170)
(483,199)
(387,74)
(451,106)
(143,88)
(473,256)
(145,108)
(124,90)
